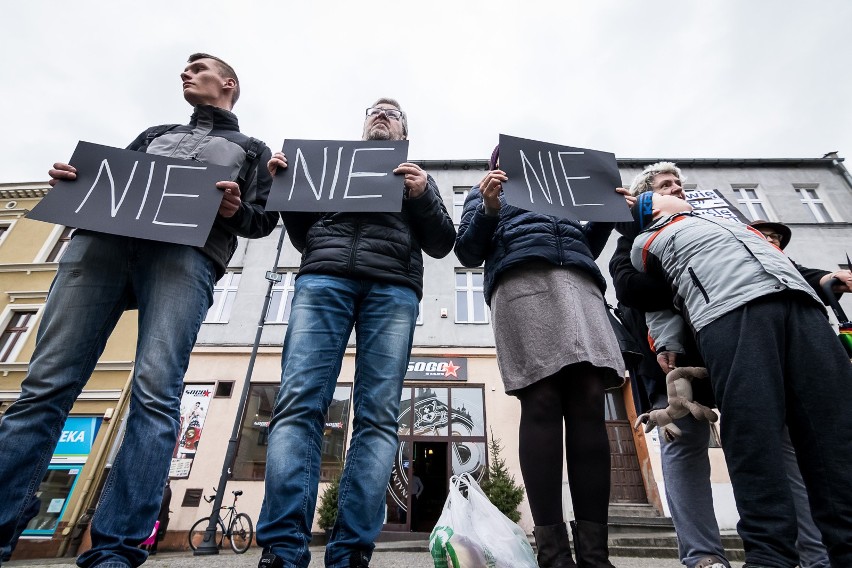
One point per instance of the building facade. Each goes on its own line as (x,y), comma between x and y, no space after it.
(453,400)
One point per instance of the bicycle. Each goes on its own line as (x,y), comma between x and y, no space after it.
(240,528)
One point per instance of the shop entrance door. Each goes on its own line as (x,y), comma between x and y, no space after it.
(428,484)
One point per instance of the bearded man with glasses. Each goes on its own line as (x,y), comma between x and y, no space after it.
(361,271)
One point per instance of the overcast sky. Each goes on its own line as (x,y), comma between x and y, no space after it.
(641,79)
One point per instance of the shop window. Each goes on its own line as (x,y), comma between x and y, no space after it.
(53,494)
(224,294)
(282,297)
(470,297)
(468,414)
(15,333)
(250,463)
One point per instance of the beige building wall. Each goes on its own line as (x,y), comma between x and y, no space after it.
(25,278)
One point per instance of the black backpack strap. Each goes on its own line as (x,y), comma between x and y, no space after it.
(155,132)
(253,148)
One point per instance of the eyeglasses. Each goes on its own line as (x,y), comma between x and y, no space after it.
(391,113)
(772,237)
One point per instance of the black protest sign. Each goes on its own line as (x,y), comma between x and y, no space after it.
(574,183)
(134,194)
(339,175)
(711,203)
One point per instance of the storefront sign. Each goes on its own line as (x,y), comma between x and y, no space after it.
(436,369)
(193,411)
(75,442)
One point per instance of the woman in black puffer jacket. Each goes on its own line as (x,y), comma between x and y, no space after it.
(557,353)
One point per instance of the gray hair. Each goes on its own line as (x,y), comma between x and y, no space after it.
(393,102)
(644,181)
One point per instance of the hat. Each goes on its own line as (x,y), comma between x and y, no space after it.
(643,211)
(779,228)
(495,156)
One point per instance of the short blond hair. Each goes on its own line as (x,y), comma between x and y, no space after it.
(644,181)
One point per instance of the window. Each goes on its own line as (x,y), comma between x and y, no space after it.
(15,334)
(459,195)
(223,298)
(814,203)
(61,245)
(282,298)
(4,229)
(751,204)
(470,298)
(250,463)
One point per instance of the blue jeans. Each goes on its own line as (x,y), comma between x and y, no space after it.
(324,311)
(686,471)
(99,277)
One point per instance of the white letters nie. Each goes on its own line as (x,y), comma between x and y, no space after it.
(114,207)
(300,158)
(361,174)
(542,182)
(169,169)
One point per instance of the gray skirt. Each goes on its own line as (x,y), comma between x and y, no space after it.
(546,317)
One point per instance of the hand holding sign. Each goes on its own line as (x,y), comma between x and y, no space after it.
(415,179)
(61,172)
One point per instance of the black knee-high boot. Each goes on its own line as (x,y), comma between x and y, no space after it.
(554,549)
(590,544)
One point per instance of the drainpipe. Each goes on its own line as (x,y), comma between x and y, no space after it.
(837,162)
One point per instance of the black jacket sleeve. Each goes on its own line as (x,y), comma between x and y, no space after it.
(633,288)
(430,222)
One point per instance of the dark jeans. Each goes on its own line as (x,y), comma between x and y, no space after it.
(773,360)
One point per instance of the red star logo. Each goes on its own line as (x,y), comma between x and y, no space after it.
(451,370)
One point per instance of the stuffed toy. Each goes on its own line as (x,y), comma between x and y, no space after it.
(679,389)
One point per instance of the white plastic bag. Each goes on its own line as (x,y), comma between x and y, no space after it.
(472,533)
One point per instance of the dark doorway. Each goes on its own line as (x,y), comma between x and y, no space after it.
(430,468)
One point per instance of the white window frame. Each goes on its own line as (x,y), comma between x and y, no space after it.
(470,289)
(748,202)
(810,202)
(288,287)
(6,318)
(50,243)
(8,226)
(225,286)
(459,192)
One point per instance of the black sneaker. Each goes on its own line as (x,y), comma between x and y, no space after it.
(270,560)
(359,559)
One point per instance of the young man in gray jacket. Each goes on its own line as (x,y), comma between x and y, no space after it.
(773,359)
(99,277)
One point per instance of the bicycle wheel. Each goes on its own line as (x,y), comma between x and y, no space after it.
(241,533)
(196,533)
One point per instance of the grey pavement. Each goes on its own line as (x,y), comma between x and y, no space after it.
(386,555)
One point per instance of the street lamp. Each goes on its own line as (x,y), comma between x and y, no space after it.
(208,545)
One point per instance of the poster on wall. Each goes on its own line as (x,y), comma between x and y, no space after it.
(193,411)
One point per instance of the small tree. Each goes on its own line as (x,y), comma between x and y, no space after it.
(328,504)
(500,486)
